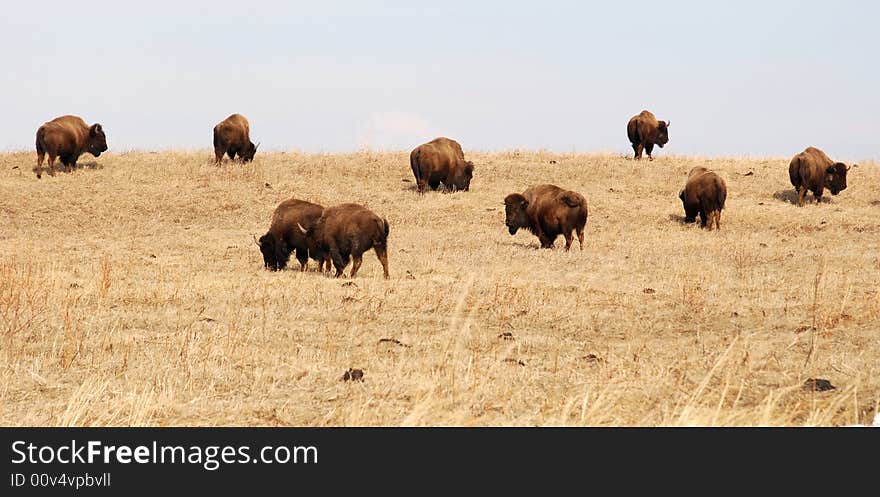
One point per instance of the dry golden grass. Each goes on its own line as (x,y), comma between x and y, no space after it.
(131,293)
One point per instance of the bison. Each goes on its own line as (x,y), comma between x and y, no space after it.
(68,137)
(347,231)
(645,131)
(704,193)
(231,137)
(547,211)
(441,160)
(812,170)
(284,235)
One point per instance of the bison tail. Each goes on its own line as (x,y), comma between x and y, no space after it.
(414,163)
(387,227)
(722,193)
(41,133)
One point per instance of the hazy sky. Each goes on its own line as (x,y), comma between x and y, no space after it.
(744,78)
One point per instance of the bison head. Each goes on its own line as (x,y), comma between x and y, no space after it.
(275,251)
(97,140)
(515,206)
(835,178)
(461,179)
(249,151)
(662,133)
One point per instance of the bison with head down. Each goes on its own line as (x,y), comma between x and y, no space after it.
(704,193)
(68,137)
(345,232)
(284,235)
(645,131)
(231,137)
(441,160)
(547,211)
(812,170)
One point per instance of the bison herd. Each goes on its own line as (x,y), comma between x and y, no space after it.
(343,233)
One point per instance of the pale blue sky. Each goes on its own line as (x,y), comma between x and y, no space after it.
(745,78)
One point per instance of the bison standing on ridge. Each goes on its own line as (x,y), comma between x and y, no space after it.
(347,231)
(814,171)
(547,211)
(645,131)
(68,137)
(704,193)
(284,235)
(231,137)
(441,160)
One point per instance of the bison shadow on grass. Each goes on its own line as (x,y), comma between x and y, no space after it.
(790,196)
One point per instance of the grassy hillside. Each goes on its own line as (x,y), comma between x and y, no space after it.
(132,293)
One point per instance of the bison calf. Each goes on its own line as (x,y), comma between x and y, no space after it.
(284,235)
(441,160)
(645,131)
(347,231)
(68,137)
(704,193)
(547,211)
(231,137)
(812,170)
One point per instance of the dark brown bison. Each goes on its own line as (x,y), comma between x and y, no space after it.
(704,193)
(347,231)
(547,211)
(233,136)
(68,137)
(441,160)
(812,170)
(284,235)
(645,131)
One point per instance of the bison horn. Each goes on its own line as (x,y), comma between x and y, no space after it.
(255,240)
(257,145)
(668,123)
(301,228)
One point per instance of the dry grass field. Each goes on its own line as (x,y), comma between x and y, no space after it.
(132,293)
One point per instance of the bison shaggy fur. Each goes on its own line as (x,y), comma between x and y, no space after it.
(704,193)
(645,131)
(812,170)
(547,211)
(345,232)
(231,137)
(285,235)
(68,137)
(441,160)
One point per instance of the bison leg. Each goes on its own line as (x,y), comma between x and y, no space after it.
(303,257)
(638,149)
(51,164)
(568,240)
(704,218)
(802,195)
(382,254)
(357,260)
(580,232)
(338,260)
(718,219)
(546,241)
(817,195)
(41,156)
(326,263)
(649,147)
(422,185)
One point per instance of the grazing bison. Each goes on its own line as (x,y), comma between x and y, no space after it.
(645,131)
(547,211)
(284,235)
(68,137)
(231,137)
(704,193)
(812,170)
(441,161)
(348,230)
